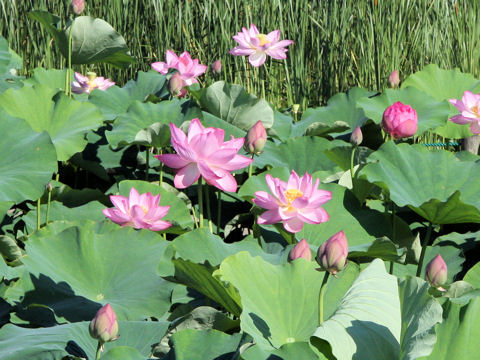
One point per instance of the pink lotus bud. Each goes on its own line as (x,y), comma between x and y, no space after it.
(216,67)
(176,86)
(77,6)
(400,120)
(301,250)
(394,79)
(332,255)
(255,139)
(436,272)
(104,326)
(357,137)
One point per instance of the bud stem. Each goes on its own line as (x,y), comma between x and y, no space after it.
(99,350)
(250,167)
(39,203)
(209,214)
(424,249)
(200,200)
(320,298)
(351,163)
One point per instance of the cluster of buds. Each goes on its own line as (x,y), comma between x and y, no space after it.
(331,256)
(255,139)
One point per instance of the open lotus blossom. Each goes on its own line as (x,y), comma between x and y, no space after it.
(203,152)
(86,84)
(257,46)
(140,211)
(469,108)
(293,202)
(188,68)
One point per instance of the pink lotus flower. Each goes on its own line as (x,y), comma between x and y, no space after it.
(189,69)
(400,120)
(139,211)
(86,84)
(301,250)
(293,202)
(203,152)
(332,255)
(104,326)
(470,111)
(257,46)
(436,272)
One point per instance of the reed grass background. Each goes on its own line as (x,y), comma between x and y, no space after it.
(338,43)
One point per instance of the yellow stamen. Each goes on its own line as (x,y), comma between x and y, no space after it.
(92,84)
(291,195)
(263,39)
(475,110)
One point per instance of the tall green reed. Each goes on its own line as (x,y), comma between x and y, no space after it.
(338,44)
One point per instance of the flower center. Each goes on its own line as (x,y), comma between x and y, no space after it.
(291,195)
(475,110)
(92,84)
(263,39)
(145,210)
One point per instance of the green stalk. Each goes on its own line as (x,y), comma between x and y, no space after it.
(99,351)
(209,214)
(200,200)
(424,249)
(160,177)
(393,233)
(250,167)
(68,88)
(351,163)
(219,209)
(147,161)
(48,203)
(39,203)
(321,295)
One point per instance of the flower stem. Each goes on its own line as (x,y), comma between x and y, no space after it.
(99,350)
(393,232)
(290,238)
(39,203)
(147,160)
(160,178)
(351,163)
(219,210)
(200,200)
(250,167)
(48,205)
(68,89)
(424,248)
(209,214)
(320,298)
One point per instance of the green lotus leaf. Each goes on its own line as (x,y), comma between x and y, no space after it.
(178,214)
(431,113)
(10,62)
(115,100)
(290,315)
(473,276)
(65,120)
(382,248)
(420,313)
(9,248)
(362,226)
(209,120)
(434,184)
(234,105)
(25,179)
(192,258)
(457,335)
(367,324)
(53,78)
(296,154)
(96,268)
(145,124)
(282,126)
(204,344)
(341,115)
(5,56)
(57,342)
(290,351)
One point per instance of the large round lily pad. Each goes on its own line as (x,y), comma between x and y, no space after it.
(435,184)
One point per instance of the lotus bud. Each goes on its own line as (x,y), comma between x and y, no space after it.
(216,67)
(104,326)
(332,255)
(436,272)
(301,250)
(176,85)
(255,139)
(357,137)
(394,79)
(77,6)
(400,120)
